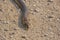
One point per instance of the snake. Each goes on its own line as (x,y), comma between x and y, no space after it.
(23,8)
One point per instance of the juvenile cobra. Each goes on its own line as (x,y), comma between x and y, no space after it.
(23,8)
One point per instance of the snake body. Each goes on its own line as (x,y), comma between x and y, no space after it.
(23,8)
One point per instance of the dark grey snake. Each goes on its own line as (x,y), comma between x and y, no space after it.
(23,8)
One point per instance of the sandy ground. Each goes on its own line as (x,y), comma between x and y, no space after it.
(43,17)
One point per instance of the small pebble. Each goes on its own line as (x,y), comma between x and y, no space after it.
(11,33)
(50,17)
(50,1)
(1,10)
(5,30)
(23,36)
(11,9)
(14,29)
(36,10)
